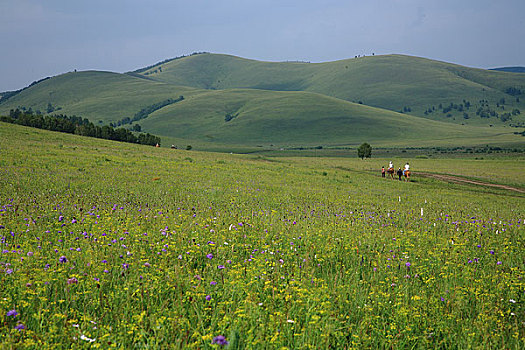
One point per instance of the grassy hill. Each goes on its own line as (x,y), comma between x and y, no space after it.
(235,101)
(391,81)
(245,116)
(99,96)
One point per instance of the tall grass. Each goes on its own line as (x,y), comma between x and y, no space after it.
(111,245)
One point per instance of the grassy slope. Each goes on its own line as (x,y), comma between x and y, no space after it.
(352,224)
(98,96)
(390,81)
(282,117)
(301,118)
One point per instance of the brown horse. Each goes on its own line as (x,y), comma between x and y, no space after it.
(390,172)
(407,175)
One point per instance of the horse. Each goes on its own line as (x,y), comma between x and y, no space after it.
(390,172)
(407,175)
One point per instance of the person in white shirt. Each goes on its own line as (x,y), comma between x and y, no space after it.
(407,167)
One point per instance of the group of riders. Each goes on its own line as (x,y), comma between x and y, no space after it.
(400,172)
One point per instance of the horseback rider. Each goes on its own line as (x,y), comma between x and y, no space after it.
(390,165)
(407,168)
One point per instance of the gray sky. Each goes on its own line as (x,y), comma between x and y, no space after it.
(49,37)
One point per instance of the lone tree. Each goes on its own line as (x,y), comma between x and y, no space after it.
(364,151)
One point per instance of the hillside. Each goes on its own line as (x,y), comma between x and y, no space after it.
(230,100)
(244,116)
(392,81)
(102,97)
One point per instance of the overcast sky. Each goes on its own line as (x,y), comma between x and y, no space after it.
(40,38)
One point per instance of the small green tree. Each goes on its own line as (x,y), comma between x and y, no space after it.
(364,151)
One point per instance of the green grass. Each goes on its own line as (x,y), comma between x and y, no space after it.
(317,252)
(294,104)
(389,81)
(99,96)
(299,118)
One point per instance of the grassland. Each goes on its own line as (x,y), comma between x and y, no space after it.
(117,245)
(245,103)
(388,81)
(299,118)
(102,97)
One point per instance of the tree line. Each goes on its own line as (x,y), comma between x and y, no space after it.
(146,111)
(77,125)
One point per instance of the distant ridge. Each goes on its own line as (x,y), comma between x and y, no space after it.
(510,69)
(141,70)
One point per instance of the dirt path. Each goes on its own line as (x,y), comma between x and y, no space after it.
(460,180)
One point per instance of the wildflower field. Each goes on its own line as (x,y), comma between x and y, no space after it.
(106,245)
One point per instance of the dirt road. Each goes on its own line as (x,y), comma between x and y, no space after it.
(460,180)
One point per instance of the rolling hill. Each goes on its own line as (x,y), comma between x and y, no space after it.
(231,100)
(247,116)
(99,96)
(390,82)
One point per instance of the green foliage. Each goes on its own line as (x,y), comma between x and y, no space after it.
(79,126)
(364,151)
(145,112)
(513,91)
(230,116)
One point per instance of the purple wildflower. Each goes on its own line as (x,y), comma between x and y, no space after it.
(208,297)
(13,313)
(72,281)
(220,267)
(62,259)
(209,256)
(213,283)
(408,264)
(220,340)
(20,326)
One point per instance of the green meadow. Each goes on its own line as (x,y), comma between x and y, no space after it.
(114,245)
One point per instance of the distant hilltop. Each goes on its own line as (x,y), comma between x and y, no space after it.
(510,69)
